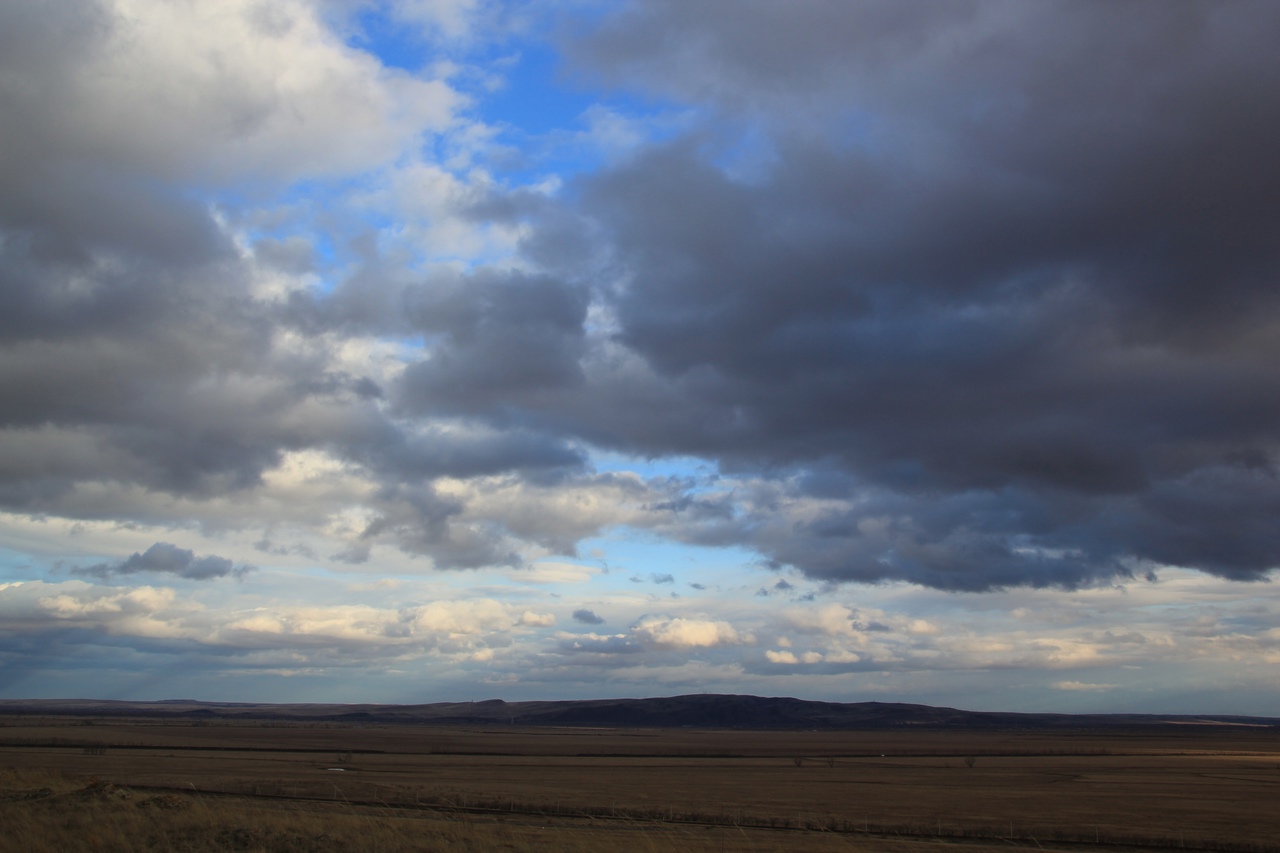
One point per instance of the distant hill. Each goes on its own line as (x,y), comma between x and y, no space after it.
(713,711)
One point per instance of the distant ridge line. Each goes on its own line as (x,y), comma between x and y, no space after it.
(711,711)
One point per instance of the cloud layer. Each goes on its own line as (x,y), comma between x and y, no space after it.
(973,296)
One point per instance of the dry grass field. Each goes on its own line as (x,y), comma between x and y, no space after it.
(68,784)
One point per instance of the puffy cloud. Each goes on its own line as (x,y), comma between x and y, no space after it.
(681,632)
(832,619)
(145,613)
(537,620)
(206,90)
(663,643)
(142,614)
(462,617)
(449,627)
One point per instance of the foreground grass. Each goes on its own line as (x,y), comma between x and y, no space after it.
(268,787)
(53,813)
(43,812)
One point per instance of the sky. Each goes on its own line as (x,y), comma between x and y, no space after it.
(437,350)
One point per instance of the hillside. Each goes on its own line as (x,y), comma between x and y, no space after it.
(696,711)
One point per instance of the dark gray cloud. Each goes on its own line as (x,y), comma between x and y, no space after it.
(587,617)
(166,559)
(1010,270)
(997,281)
(780,587)
(507,336)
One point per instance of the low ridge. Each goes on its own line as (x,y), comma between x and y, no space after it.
(703,710)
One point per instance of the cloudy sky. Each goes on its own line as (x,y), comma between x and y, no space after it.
(452,349)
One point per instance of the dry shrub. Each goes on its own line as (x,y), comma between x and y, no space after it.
(34,794)
(100,789)
(66,814)
(165,801)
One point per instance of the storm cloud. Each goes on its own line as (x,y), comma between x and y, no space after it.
(988,298)
(970,295)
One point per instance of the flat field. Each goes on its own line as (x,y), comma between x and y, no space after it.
(137,784)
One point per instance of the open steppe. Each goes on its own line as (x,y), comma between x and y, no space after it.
(71,783)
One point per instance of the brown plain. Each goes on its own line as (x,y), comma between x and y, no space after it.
(329,786)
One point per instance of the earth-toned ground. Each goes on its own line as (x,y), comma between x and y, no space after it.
(82,783)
